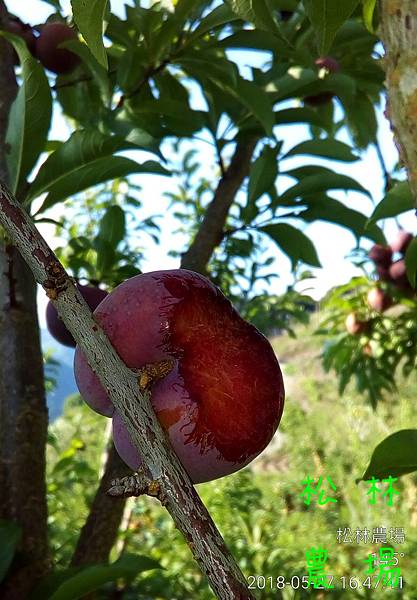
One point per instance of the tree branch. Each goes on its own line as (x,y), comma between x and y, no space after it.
(102,525)
(211,231)
(398,34)
(23,412)
(160,462)
(197,258)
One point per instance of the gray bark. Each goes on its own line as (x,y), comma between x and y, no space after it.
(212,228)
(399,36)
(23,413)
(196,259)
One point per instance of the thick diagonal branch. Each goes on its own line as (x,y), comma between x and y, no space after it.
(196,258)
(211,231)
(398,33)
(161,463)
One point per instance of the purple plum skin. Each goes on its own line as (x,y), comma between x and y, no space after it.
(223,400)
(91,294)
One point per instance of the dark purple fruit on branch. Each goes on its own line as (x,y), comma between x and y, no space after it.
(381,255)
(92,295)
(23,30)
(56,59)
(329,63)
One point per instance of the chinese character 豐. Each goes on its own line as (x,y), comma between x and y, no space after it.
(316,561)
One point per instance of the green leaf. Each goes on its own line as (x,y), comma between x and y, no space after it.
(397,201)
(395,456)
(257,101)
(320,183)
(243,9)
(221,72)
(411,262)
(328,148)
(361,118)
(54,3)
(331,210)
(293,242)
(89,16)
(327,16)
(299,115)
(106,256)
(113,225)
(29,118)
(10,535)
(82,102)
(91,578)
(219,16)
(264,17)
(368,9)
(257,12)
(171,108)
(99,73)
(224,75)
(252,39)
(263,173)
(85,160)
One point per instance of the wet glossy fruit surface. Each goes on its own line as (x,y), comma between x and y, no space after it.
(222,402)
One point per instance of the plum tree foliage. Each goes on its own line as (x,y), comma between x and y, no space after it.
(171,74)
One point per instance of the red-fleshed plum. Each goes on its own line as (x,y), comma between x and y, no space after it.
(222,402)
(56,59)
(91,294)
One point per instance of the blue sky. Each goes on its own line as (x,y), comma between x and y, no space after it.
(333,243)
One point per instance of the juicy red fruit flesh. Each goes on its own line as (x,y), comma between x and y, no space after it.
(224,398)
(207,332)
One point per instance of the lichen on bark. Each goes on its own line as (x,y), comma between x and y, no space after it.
(399,35)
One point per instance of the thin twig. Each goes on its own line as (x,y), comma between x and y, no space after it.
(80,79)
(149,73)
(387,177)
